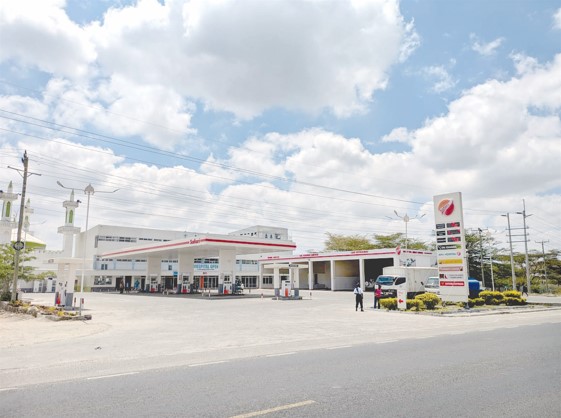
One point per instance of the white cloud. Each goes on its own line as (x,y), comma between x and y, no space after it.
(483,48)
(443,81)
(524,63)
(40,34)
(497,143)
(557,19)
(245,57)
(239,57)
(400,134)
(490,136)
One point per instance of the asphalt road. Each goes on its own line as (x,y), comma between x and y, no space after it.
(514,372)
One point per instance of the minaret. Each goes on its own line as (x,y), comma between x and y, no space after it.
(69,230)
(27,212)
(8,220)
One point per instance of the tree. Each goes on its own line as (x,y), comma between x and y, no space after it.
(7,255)
(476,248)
(393,240)
(337,242)
(553,267)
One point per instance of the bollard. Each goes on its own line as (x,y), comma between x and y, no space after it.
(310,295)
(261,295)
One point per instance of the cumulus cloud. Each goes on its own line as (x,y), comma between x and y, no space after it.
(245,57)
(400,134)
(491,136)
(485,48)
(152,61)
(40,34)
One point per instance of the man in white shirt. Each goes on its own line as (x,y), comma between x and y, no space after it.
(358,297)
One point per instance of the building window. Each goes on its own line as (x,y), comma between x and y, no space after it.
(267,279)
(249,281)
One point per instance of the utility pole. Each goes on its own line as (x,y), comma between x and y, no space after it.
(19,245)
(544,264)
(523,213)
(511,255)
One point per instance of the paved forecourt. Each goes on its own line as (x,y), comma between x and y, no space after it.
(132,332)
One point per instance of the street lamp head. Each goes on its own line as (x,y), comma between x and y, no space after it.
(89,189)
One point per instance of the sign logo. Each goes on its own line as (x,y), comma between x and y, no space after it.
(446,207)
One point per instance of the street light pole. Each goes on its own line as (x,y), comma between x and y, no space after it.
(89,190)
(405,218)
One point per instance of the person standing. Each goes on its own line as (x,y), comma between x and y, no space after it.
(358,297)
(524,290)
(377,296)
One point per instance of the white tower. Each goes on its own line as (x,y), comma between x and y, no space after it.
(8,220)
(27,212)
(69,230)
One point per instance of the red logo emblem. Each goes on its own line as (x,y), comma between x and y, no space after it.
(446,207)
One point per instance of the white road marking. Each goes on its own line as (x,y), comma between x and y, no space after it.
(337,348)
(276,409)
(207,364)
(107,376)
(385,341)
(281,354)
(7,389)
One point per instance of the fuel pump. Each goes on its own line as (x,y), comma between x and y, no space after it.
(286,286)
(185,284)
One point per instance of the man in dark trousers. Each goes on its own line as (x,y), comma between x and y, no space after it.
(358,297)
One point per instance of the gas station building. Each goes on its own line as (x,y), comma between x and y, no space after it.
(212,261)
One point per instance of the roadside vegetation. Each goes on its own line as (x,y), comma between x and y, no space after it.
(431,302)
(20,307)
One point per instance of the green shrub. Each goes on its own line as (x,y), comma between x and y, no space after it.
(512,294)
(476,302)
(6,296)
(389,303)
(430,300)
(509,301)
(491,298)
(415,304)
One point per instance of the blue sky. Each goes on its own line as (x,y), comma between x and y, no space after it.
(319,116)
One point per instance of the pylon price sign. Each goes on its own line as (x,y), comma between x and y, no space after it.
(451,247)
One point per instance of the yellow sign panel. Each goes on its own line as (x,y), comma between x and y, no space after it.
(451,261)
